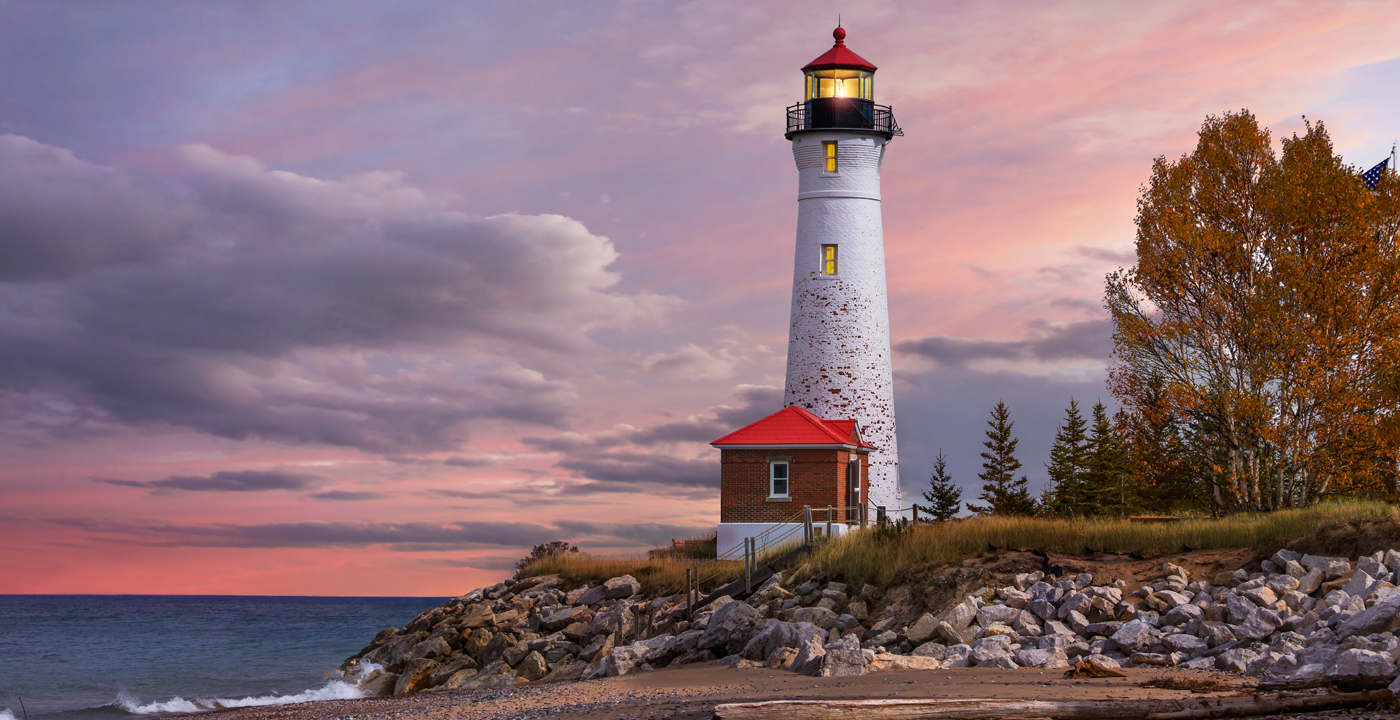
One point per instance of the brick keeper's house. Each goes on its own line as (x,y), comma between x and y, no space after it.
(769,470)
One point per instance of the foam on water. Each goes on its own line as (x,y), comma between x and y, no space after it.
(173,705)
(7,714)
(332,690)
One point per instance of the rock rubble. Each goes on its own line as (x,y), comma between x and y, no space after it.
(1301,618)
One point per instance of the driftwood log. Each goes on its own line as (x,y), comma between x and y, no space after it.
(1196,708)
(1345,683)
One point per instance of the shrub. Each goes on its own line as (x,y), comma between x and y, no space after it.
(550,549)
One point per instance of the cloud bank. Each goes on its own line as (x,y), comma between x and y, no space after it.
(360,312)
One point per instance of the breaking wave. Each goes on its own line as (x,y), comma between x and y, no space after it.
(334,689)
(7,714)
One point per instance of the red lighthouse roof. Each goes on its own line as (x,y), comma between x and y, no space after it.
(794,425)
(839,57)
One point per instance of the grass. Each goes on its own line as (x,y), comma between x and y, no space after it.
(864,558)
(659,573)
(875,558)
(697,547)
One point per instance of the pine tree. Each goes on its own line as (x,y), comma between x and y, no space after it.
(1001,491)
(1066,467)
(1045,505)
(944,497)
(1104,467)
(1163,473)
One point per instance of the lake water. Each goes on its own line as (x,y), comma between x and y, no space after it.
(103,657)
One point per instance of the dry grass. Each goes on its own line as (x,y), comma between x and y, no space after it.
(659,574)
(859,558)
(698,547)
(863,558)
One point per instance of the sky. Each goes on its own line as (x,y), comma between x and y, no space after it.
(368,298)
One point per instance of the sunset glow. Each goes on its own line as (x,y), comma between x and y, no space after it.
(330,301)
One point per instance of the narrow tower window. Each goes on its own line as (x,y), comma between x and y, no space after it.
(828,259)
(778,477)
(829,150)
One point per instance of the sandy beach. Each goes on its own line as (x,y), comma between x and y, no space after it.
(691,693)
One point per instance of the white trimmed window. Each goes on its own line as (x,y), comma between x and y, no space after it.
(829,260)
(778,478)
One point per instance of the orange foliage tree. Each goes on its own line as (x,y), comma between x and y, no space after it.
(1263,316)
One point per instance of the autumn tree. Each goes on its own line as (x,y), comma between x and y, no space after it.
(1001,491)
(1261,319)
(1333,262)
(943,496)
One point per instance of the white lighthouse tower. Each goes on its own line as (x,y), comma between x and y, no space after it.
(839,341)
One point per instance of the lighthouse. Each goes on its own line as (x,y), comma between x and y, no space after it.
(829,456)
(838,362)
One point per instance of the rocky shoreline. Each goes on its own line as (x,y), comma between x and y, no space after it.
(1300,619)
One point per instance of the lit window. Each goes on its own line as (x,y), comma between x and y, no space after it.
(828,259)
(838,83)
(829,150)
(778,477)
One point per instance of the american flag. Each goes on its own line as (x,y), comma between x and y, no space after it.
(1372,176)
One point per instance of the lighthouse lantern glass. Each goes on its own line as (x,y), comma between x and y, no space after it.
(839,83)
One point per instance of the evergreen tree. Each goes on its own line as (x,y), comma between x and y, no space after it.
(943,496)
(1046,504)
(1164,474)
(1066,467)
(1001,491)
(1105,467)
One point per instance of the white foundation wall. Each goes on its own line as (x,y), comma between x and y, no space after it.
(839,363)
(730,536)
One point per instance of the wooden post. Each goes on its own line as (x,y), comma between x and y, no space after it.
(864,514)
(916,515)
(748,566)
(806,524)
(829,511)
(689,605)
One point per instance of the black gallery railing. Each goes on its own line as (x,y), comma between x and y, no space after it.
(841,114)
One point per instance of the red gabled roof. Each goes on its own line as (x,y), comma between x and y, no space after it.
(794,425)
(839,57)
(848,428)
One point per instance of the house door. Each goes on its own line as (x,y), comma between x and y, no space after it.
(853,491)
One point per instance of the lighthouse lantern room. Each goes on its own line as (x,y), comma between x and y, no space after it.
(839,93)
